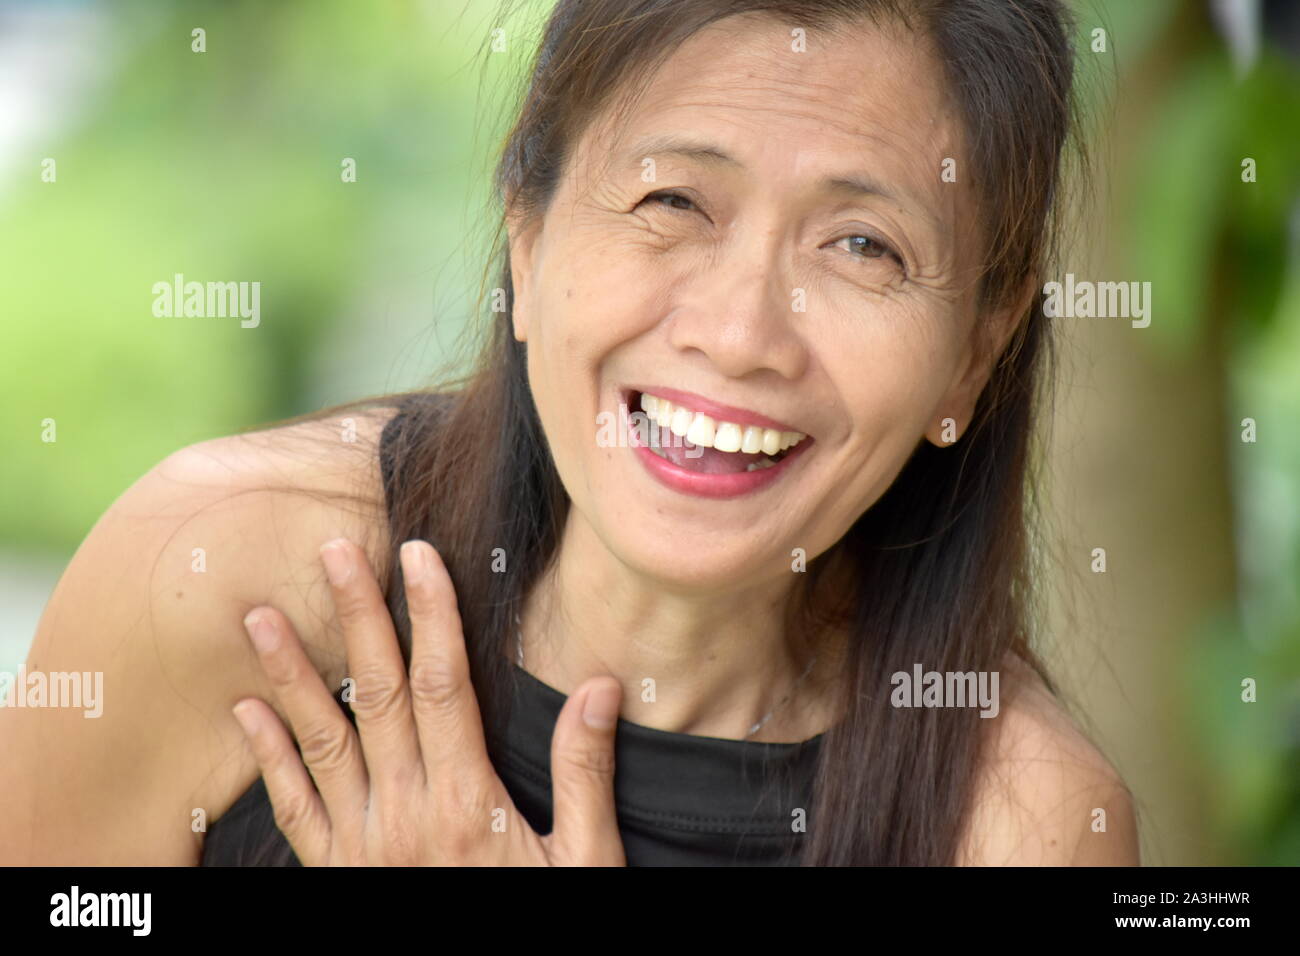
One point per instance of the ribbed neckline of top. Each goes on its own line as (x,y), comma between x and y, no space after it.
(675,780)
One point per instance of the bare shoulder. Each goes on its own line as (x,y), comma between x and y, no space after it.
(153,603)
(269,499)
(1045,795)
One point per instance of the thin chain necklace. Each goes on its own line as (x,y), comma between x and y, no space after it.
(519,646)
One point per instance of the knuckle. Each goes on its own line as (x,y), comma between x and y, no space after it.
(595,761)
(459,849)
(379,695)
(351,603)
(291,814)
(422,597)
(326,747)
(285,671)
(436,684)
(461,806)
(458,842)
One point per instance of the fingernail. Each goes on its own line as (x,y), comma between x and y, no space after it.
(601,708)
(338,561)
(415,560)
(260,630)
(244,714)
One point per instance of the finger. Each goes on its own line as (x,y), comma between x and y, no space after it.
(382,704)
(325,737)
(582,777)
(447,716)
(299,812)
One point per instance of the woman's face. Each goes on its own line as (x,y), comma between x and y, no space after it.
(817,271)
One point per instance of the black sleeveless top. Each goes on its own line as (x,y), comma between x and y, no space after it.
(681,799)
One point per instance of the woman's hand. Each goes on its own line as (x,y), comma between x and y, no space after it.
(417,787)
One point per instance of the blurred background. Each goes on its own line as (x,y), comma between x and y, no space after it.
(127,157)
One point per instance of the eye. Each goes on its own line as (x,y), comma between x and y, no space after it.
(670,198)
(869,247)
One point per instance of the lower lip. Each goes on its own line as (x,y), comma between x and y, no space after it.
(711,486)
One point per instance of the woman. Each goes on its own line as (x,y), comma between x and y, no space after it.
(805,237)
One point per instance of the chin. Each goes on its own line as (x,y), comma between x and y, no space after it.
(689,564)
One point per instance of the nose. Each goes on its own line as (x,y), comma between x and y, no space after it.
(736,311)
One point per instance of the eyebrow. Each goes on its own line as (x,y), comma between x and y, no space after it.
(672,144)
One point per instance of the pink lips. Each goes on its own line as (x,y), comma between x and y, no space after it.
(704,485)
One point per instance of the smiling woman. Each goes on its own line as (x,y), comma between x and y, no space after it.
(794,248)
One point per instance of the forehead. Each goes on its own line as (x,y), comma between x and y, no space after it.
(867,100)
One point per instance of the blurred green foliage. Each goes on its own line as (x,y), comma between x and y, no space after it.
(1220,249)
(222,166)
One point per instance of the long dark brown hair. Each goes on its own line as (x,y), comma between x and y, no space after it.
(942,562)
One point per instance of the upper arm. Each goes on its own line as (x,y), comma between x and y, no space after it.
(154,601)
(1045,795)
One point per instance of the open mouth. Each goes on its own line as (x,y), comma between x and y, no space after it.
(700,443)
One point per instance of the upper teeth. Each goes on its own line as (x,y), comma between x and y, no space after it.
(700,429)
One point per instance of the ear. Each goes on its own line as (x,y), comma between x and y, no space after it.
(522,233)
(990,335)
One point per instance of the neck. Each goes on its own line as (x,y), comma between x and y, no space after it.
(705,663)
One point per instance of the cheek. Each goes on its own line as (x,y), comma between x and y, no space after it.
(585,309)
(895,367)
(895,394)
(595,303)
(890,375)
